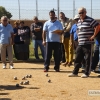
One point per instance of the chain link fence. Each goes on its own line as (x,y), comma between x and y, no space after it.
(26,9)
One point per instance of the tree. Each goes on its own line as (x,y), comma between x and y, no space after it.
(4,12)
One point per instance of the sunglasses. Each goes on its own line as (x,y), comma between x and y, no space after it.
(4,20)
(81,13)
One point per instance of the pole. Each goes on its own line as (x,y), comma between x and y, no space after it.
(73,8)
(37,8)
(19,8)
(58,8)
(91,8)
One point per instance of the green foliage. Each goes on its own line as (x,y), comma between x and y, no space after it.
(4,12)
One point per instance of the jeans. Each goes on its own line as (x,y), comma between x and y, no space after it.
(37,43)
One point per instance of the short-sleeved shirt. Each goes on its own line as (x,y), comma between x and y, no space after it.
(86,30)
(49,27)
(5,33)
(73,31)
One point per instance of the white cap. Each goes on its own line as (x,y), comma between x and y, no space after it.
(76,17)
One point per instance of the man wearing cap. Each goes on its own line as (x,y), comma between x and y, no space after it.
(73,34)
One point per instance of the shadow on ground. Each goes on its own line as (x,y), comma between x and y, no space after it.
(5,99)
(10,87)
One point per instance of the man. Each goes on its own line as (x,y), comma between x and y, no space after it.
(73,34)
(96,57)
(6,41)
(24,33)
(36,29)
(67,24)
(51,40)
(86,28)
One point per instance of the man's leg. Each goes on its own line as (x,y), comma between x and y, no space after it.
(3,53)
(78,59)
(56,56)
(48,55)
(62,53)
(95,58)
(87,52)
(70,54)
(36,50)
(41,47)
(10,54)
(66,47)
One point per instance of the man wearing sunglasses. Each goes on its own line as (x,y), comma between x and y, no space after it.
(85,30)
(6,41)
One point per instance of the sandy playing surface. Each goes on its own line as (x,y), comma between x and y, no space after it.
(61,87)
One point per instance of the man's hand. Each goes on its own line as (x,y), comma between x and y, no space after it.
(44,43)
(91,38)
(71,44)
(36,29)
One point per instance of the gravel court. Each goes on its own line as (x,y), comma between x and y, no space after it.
(61,87)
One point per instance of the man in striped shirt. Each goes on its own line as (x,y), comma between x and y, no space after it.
(86,29)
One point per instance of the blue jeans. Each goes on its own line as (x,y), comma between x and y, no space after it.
(37,43)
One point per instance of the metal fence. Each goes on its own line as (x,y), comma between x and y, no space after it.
(26,9)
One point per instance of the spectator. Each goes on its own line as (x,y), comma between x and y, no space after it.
(6,41)
(36,29)
(51,40)
(24,33)
(73,34)
(96,57)
(86,27)
(67,24)
(16,36)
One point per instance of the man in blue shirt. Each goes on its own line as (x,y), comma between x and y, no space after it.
(51,40)
(6,41)
(73,34)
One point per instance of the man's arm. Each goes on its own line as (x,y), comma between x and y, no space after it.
(96,31)
(44,37)
(67,29)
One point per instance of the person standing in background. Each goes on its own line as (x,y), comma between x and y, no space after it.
(36,30)
(67,24)
(6,42)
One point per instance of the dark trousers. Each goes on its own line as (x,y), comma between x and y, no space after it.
(75,44)
(62,53)
(95,58)
(81,51)
(52,46)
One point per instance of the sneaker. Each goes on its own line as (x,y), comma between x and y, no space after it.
(57,70)
(84,76)
(72,75)
(45,70)
(11,67)
(4,67)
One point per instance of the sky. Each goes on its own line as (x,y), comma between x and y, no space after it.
(28,8)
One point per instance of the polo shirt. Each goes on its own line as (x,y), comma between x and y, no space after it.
(5,33)
(49,27)
(85,30)
(73,32)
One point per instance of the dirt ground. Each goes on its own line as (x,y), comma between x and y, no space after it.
(61,87)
